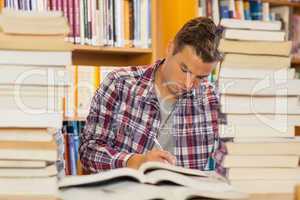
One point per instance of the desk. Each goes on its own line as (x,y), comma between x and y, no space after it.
(272,197)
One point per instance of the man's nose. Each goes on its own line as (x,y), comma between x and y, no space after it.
(190,83)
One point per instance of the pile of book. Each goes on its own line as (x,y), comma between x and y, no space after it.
(260,97)
(33,79)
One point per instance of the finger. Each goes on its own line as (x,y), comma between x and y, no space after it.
(163,160)
(168,157)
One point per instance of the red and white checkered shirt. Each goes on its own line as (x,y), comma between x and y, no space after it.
(125,117)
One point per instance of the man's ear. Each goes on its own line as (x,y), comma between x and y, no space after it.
(170,48)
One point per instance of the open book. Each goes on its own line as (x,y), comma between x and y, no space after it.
(164,175)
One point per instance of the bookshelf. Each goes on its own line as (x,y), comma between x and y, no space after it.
(114,56)
(164,27)
(283,3)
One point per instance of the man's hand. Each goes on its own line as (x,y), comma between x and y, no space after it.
(137,160)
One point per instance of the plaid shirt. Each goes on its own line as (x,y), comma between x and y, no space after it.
(125,117)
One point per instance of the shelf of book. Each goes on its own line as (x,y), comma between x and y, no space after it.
(283,3)
(111,50)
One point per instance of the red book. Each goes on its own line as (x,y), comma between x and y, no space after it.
(77,21)
(71,19)
(59,5)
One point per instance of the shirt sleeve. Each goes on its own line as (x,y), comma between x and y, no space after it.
(220,149)
(96,154)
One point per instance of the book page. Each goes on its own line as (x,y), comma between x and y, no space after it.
(93,179)
(196,182)
(150,166)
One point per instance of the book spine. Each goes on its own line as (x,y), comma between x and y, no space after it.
(90,22)
(85,8)
(97,24)
(247,13)
(231,9)
(71,20)
(105,22)
(101,22)
(72,154)
(117,18)
(208,7)
(216,12)
(139,19)
(59,5)
(110,23)
(266,11)
(255,9)
(27,5)
(131,23)
(149,23)
(114,22)
(144,23)
(20,5)
(202,8)
(53,5)
(80,170)
(49,5)
(77,21)
(82,23)
(94,25)
(66,150)
(76,148)
(224,9)
(126,23)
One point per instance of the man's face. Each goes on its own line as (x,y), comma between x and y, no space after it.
(184,71)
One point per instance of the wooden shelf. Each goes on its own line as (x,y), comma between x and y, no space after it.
(110,56)
(296,60)
(74,118)
(283,3)
(111,50)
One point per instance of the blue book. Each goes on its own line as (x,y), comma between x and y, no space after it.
(224,9)
(256,9)
(72,154)
(76,143)
(247,14)
(75,125)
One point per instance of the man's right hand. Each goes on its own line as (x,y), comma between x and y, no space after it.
(137,160)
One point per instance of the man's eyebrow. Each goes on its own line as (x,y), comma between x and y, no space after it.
(199,76)
(186,67)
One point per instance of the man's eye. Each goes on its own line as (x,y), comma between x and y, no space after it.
(184,70)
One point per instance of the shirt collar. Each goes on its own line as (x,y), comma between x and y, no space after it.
(145,85)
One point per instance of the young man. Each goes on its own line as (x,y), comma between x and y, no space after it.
(166,112)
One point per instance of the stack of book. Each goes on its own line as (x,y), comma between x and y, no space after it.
(33,79)
(259,95)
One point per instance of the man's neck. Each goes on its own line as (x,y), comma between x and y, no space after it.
(161,89)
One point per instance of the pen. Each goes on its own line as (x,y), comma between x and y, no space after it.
(157,144)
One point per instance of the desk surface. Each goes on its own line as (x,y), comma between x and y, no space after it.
(272,197)
(253,197)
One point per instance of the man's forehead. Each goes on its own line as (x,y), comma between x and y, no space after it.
(195,64)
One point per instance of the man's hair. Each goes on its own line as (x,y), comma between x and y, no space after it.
(203,35)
